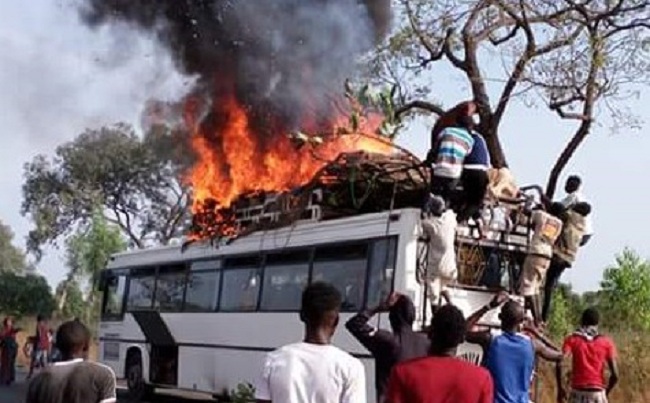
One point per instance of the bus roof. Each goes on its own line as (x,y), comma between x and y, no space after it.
(358,227)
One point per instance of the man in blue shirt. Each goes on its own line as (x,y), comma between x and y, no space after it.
(510,356)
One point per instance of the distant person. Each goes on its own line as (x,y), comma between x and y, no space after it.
(590,352)
(389,348)
(41,346)
(441,377)
(573,197)
(566,247)
(8,352)
(73,380)
(546,229)
(313,370)
(510,356)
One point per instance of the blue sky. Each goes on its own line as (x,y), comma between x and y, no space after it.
(57,77)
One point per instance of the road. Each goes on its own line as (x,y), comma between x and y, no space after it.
(16,394)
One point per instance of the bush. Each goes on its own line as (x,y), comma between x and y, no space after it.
(244,393)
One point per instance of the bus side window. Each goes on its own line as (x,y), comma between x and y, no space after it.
(141,289)
(240,289)
(382,269)
(203,287)
(169,288)
(345,268)
(114,297)
(285,277)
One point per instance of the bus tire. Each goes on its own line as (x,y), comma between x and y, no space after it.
(138,389)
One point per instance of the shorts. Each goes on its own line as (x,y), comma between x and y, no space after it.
(436,286)
(533,274)
(40,358)
(584,396)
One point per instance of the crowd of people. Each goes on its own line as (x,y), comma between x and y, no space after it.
(461,177)
(58,371)
(414,367)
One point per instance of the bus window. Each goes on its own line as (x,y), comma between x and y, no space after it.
(382,267)
(285,277)
(114,297)
(345,268)
(170,288)
(240,289)
(202,291)
(141,289)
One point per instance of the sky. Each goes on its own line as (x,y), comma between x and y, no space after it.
(57,78)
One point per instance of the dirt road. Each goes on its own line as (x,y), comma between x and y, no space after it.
(16,394)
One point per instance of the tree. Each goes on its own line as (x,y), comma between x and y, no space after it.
(25,295)
(625,292)
(87,253)
(12,259)
(135,183)
(570,54)
(74,305)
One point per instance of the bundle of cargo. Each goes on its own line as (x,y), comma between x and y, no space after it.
(353,183)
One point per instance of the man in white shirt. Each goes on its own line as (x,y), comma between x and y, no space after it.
(572,189)
(313,371)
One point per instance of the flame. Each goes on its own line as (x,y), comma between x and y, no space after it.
(233,159)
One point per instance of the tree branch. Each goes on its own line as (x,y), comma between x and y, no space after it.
(427,106)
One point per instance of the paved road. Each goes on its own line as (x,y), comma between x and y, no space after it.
(16,394)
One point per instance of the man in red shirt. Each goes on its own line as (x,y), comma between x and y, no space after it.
(441,377)
(590,352)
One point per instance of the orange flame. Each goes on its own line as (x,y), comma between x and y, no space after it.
(233,162)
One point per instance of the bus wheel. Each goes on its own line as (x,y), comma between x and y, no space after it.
(138,388)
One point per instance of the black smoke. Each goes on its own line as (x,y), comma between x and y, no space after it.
(283,59)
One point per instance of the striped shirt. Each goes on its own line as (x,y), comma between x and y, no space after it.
(455,144)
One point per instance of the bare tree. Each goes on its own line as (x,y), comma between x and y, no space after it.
(573,55)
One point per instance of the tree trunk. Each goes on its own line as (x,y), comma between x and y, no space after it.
(565,157)
(497,155)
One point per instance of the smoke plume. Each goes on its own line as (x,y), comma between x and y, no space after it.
(282,59)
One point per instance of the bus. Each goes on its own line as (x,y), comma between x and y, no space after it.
(202,318)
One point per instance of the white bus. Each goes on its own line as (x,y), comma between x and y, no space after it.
(202,319)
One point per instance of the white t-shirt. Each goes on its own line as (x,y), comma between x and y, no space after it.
(576,197)
(441,257)
(311,373)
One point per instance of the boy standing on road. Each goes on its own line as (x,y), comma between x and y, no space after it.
(313,370)
(590,352)
(73,380)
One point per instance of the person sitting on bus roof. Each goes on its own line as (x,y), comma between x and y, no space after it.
(441,377)
(448,154)
(441,268)
(73,380)
(546,230)
(566,247)
(313,370)
(510,357)
(389,348)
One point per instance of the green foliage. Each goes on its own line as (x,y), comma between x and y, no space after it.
(244,393)
(560,321)
(626,292)
(133,181)
(11,258)
(378,101)
(25,295)
(74,305)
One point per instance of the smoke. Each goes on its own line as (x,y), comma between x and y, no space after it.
(280,58)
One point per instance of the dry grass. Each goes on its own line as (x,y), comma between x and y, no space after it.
(634,368)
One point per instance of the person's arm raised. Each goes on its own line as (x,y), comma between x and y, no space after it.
(483,338)
(369,336)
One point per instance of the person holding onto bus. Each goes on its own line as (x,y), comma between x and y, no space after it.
(590,352)
(313,370)
(439,226)
(566,247)
(573,197)
(73,380)
(546,230)
(441,377)
(510,356)
(389,348)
